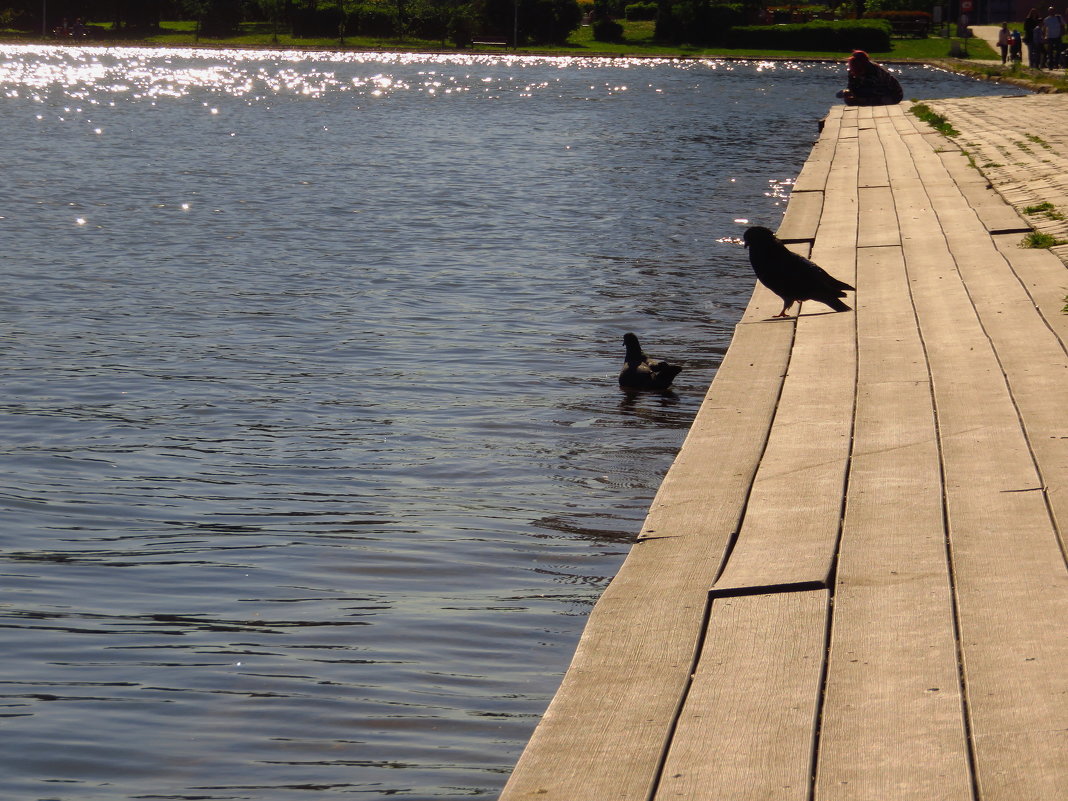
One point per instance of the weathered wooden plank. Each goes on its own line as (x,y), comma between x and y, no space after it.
(903,123)
(605,731)
(872,160)
(996,215)
(1044,277)
(892,723)
(748,725)
(878,218)
(837,236)
(791,521)
(850,122)
(802,217)
(1030,354)
(1010,577)
(813,175)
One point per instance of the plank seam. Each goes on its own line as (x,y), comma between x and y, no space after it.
(669,737)
(732,541)
(654,786)
(832,572)
(1005,373)
(962,683)
(1031,296)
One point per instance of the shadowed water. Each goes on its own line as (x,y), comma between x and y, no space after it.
(315,459)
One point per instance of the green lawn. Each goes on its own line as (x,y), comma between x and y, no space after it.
(637,41)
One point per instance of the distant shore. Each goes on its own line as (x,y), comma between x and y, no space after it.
(1034,80)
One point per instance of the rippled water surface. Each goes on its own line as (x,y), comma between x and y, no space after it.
(314,455)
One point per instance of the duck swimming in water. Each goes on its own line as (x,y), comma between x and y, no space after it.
(641,372)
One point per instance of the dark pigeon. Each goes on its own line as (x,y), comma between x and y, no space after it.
(641,372)
(790,276)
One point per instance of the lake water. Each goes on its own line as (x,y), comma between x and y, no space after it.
(315,459)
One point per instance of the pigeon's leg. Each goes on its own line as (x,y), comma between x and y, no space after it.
(786,305)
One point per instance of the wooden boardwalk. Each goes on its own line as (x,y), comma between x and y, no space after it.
(852,584)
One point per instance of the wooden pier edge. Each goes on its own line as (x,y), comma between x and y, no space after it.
(852,582)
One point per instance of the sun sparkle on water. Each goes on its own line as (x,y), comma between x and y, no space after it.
(153,73)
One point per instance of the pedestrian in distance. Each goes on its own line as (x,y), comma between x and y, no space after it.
(1034,55)
(1015,48)
(1053,33)
(1004,40)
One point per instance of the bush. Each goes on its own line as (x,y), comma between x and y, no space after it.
(461,27)
(838,37)
(904,23)
(697,22)
(314,23)
(904,16)
(222,18)
(542,21)
(607,30)
(639,11)
(549,21)
(371,19)
(898,5)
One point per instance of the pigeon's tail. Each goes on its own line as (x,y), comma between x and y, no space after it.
(836,304)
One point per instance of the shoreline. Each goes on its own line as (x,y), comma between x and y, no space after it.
(980,70)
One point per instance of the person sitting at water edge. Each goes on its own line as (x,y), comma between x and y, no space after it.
(870,84)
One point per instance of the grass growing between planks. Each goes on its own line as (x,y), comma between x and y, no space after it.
(1046,209)
(935,120)
(1037,239)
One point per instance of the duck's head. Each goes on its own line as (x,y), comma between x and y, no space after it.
(634,348)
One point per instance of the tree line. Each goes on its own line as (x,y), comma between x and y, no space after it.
(460,21)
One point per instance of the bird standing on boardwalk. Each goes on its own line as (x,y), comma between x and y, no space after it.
(641,372)
(790,276)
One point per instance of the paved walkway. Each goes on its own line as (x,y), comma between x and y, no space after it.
(989,33)
(1021,146)
(852,584)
